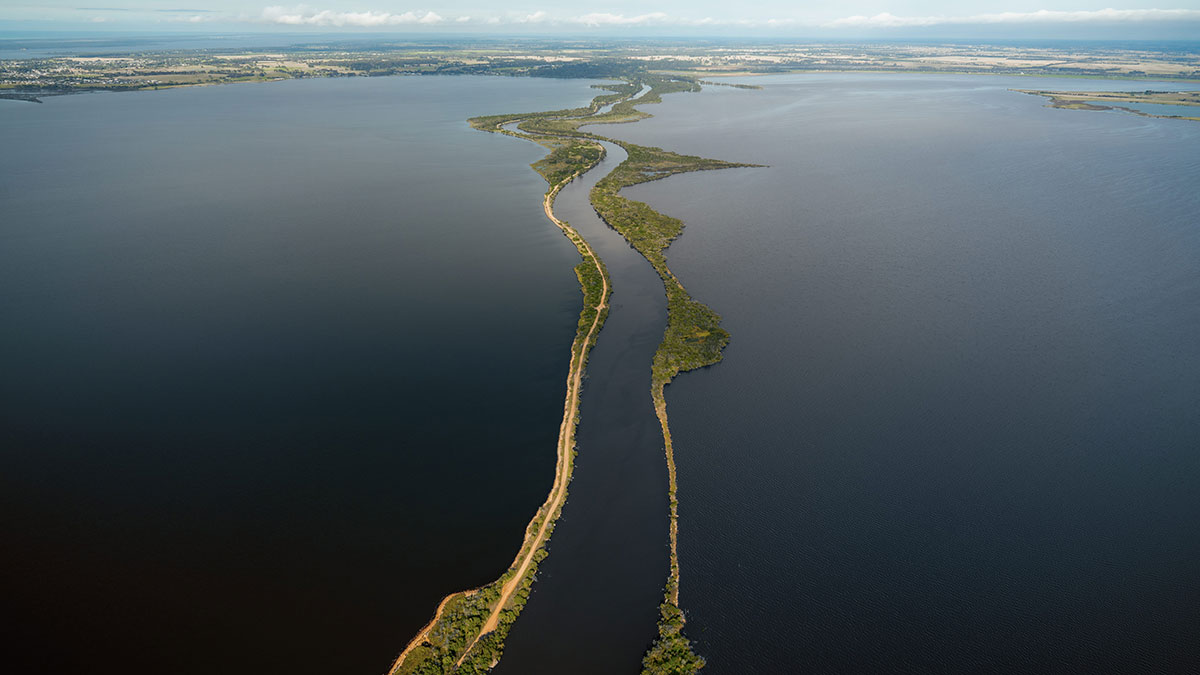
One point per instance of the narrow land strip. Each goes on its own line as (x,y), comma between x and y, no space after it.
(468,632)
(566,432)
(1185,105)
(465,649)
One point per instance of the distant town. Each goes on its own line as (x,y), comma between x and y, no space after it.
(564,58)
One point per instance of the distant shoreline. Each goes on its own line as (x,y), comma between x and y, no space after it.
(1111,100)
(148,70)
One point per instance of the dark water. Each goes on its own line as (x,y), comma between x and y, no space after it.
(958,425)
(595,604)
(282,365)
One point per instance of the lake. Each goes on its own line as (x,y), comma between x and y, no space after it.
(957,427)
(1168,109)
(283,365)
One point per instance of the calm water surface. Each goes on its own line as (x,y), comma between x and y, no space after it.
(282,365)
(958,426)
(594,607)
(1159,108)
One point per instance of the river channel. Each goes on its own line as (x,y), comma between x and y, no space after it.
(608,557)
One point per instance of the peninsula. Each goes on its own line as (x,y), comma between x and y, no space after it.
(1181,104)
(468,630)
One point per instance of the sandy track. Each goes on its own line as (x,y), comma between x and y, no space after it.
(566,443)
(412,644)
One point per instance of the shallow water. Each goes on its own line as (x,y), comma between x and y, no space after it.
(283,364)
(1156,108)
(956,426)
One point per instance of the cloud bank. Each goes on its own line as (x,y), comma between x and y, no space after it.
(604,19)
(305,16)
(1043,16)
(300,17)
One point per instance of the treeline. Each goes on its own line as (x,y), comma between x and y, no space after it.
(464,615)
(693,337)
(671,653)
(568,159)
(602,68)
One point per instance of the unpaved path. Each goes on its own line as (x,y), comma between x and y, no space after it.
(566,430)
(412,644)
(566,443)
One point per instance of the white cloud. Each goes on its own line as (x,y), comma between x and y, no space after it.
(98,19)
(302,15)
(605,19)
(195,18)
(305,17)
(886,20)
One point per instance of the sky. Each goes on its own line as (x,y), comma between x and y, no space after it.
(1009,19)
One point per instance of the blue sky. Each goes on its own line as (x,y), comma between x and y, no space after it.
(1132,19)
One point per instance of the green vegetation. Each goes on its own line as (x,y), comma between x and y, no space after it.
(459,622)
(671,653)
(630,60)
(712,83)
(624,111)
(457,640)
(565,160)
(495,122)
(591,280)
(693,338)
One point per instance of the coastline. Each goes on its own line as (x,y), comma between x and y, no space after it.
(542,525)
(1101,101)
